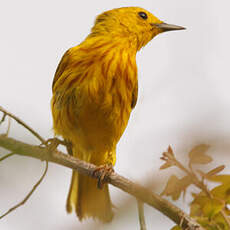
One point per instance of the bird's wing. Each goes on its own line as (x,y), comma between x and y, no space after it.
(61,67)
(134,96)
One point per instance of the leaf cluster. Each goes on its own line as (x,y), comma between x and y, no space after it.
(209,207)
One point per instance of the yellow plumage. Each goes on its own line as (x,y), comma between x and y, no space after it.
(94,91)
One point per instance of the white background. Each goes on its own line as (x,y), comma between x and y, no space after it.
(183,100)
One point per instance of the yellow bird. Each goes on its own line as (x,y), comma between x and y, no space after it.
(94,91)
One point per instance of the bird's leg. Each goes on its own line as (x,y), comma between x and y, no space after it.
(102,173)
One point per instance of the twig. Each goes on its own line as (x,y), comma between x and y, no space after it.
(8,127)
(28,195)
(3,118)
(21,123)
(141,215)
(141,193)
(6,156)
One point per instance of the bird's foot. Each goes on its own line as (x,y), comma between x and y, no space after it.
(53,143)
(102,173)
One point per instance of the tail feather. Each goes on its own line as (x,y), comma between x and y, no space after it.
(72,196)
(87,200)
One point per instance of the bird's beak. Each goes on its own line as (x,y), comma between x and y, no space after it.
(168,27)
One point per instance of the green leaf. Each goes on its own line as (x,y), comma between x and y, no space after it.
(205,206)
(207,212)
(176,228)
(222,191)
(209,225)
(212,207)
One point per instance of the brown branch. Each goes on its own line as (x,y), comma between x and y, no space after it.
(6,156)
(5,112)
(140,192)
(3,118)
(28,195)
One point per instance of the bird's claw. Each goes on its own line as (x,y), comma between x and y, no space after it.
(53,143)
(102,173)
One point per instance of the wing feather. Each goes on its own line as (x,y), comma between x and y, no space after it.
(61,67)
(134,96)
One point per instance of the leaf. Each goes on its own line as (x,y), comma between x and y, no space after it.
(165,165)
(206,206)
(215,171)
(195,210)
(175,186)
(197,155)
(222,192)
(201,199)
(212,172)
(211,225)
(206,211)
(220,222)
(171,188)
(212,208)
(224,178)
(168,157)
(176,228)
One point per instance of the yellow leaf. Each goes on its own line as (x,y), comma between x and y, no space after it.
(222,192)
(224,178)
(195,210)
(212,207)
(197,155)
(201,199)
(220,222)
(176,228)
(215,171)
(211,173)
(205,206)
(206,211)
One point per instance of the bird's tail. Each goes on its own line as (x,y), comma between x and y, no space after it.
(87,200)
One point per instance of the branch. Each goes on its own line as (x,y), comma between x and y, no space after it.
(6,113)
(140,207)
(141,193)
(28,195)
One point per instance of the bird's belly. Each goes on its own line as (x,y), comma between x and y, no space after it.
(95,126)
(102,124)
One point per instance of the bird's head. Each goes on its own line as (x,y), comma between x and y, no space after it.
(134,23)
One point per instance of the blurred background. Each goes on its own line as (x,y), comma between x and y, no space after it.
(183,100)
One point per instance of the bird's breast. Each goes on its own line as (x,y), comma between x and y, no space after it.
(95,109)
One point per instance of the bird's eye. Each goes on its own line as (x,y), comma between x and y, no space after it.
(143,15)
